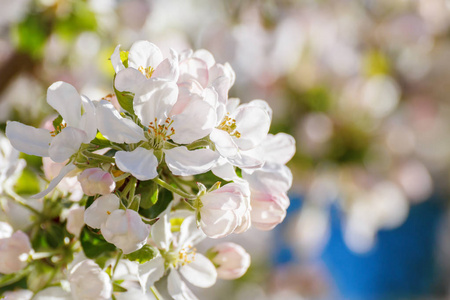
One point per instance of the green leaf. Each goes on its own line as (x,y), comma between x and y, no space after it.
(9,279)
(57,121)
(101,141)
(28,183)
(118,288)
(125,100)
(149,193)
(81,18)
(124,58)
(94,244)
(135,203)
(30,35)
(143,255)
(165,197)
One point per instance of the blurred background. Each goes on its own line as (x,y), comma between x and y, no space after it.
(362,86)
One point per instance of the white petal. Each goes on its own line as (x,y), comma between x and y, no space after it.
(261,104)
(129,80)
(116,128)
(141,163)
(278,148)
(66,143)
(218,223)
(27,139)
(206,56)
(196,121)
(194,69)
(97,213)
(177,288)
(271,178)
(183,162)
(161,230)
(189,232)
(201,272)
(155,99)
(168,68)
(223,142)
(64,171)
(253,124)
(144,54)
(88,119)
(225,170)
(251,159)
(150,272)
(65,99)
(116,61)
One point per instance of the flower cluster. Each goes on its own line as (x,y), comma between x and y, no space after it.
(164,162)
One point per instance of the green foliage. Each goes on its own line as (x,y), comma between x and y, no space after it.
(28,183)
(93,244)
(208,179)
(49,236)
(80,19)
(143,255)
(125,100)
(165,197)
(101,141)
(118,288)
(124,58)
(149,193)
(31,34)
(9,279)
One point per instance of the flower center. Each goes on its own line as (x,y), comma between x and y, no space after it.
(229,125)
(58,129)
(180,258)
(158,134)
(147,72)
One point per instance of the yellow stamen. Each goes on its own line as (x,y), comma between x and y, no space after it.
(147,72)
(229,125)
(58,129)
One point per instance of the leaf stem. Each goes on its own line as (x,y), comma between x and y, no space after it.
(173,189)
(21,201)
(98,157)
(156,293)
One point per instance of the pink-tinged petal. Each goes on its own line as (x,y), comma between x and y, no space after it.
(64,171)
(27,139)
(219,70)
(116,128)
(65,99)
(223,142)
(224,170)
(221,85)
(267,210)
(88,119)
(279,148)
(177,288)
(271,178)
(206,56)
(253,123)
(201,272)
(129,80)
(168,68)
(232,260)
(96,214)
(194,69)
(141,163)
(187,91)
(183,162)
(251,159)
(196,121)
(155,100)
(150,272)
(218,224)
(144,54)
(66,143)
(116,61)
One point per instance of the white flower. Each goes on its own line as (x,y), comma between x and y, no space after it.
(69,183)
(75,220)
(53,293)
(14,251)
(231,260)
(126,230)
(145,63)
(177,255)
(153,104)
(18,295)
(224,210)
(89,282)
(96,181)
(123,228)
(10,165)
(66,139)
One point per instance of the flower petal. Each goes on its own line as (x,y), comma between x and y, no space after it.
(64,171)
(88,118)
(116,61)
(66,143)
(27,139)
(141,163)
(183,162)
(144,54)
(279,148)
(129,80)
(189,232)
(168,68)
(253,124)
(223,142)
(177,288)
(201,272)
(194,69)
(65,99)
(98,212)
(116,128)
(150,272)
(154,100)
(161,233)
(197,120)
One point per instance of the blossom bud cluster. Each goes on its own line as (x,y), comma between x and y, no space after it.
(177,162)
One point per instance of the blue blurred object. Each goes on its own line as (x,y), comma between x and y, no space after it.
(402,264)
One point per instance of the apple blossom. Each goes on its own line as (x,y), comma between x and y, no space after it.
(61,143)
(97,213)
(14,251)
(231,260)
(89,282)
(10,164)
(18,295)
(96,181)
(75,220)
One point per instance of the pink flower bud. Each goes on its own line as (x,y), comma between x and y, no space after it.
(231,260)
(96,181)
(14,252)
